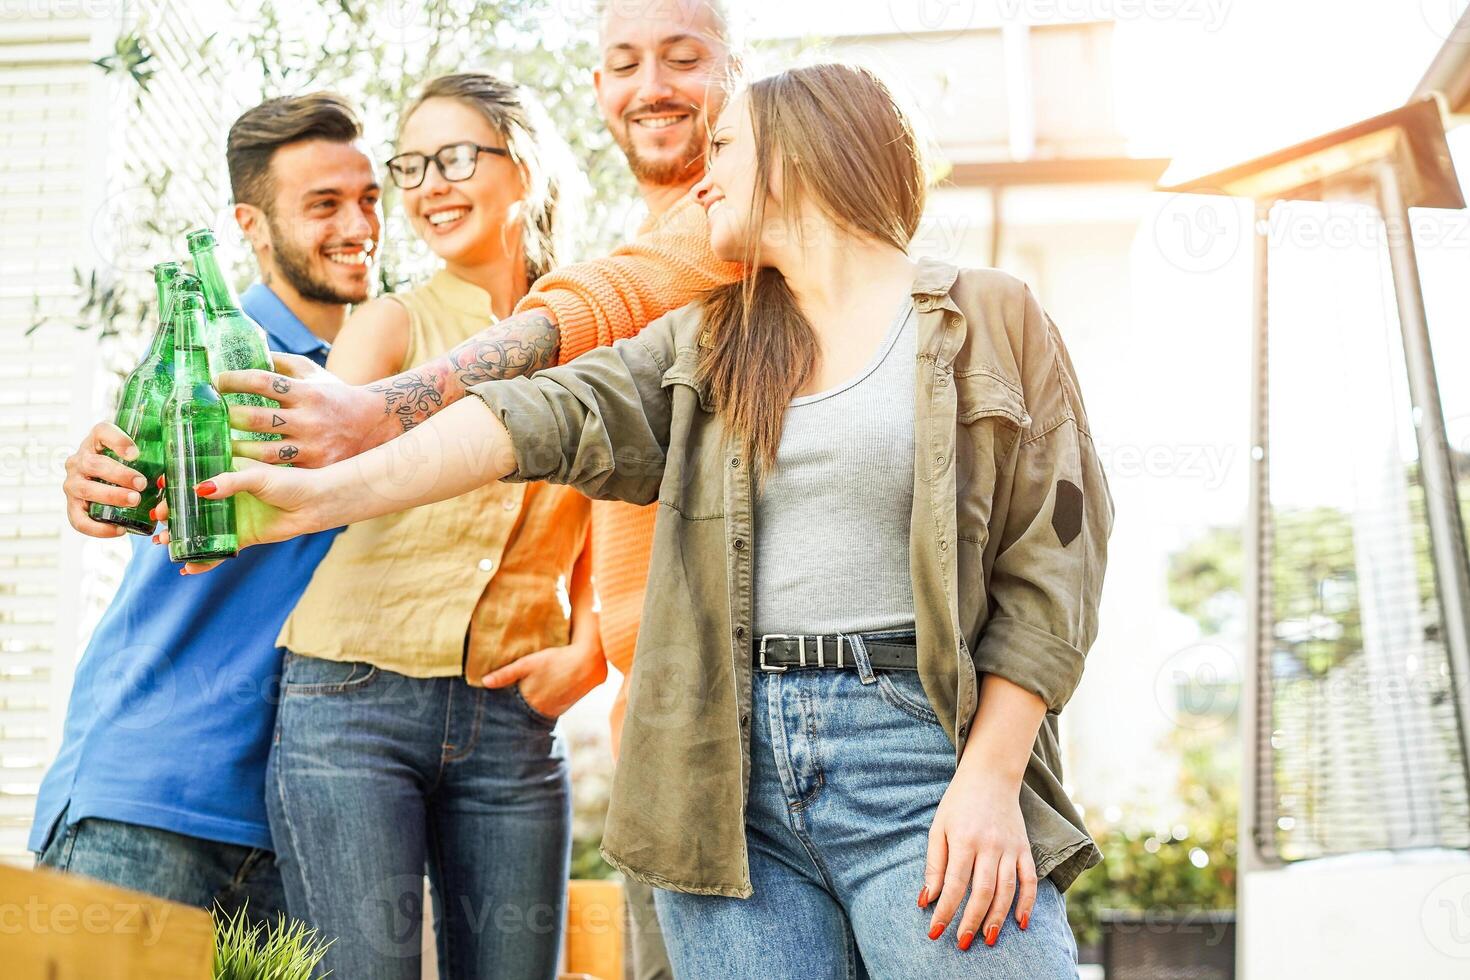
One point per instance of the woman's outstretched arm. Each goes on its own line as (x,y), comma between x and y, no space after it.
(463,447)
(600,424)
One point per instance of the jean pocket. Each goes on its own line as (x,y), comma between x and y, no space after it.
(311,675)
(905,691)
(536,716)
(56,851)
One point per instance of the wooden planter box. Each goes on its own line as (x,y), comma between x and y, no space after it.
(65,927)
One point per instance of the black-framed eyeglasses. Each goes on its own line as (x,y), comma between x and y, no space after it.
(456,161)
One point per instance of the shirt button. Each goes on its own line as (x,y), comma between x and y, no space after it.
(509,505)
(735,462)
(943,381)
(486,564)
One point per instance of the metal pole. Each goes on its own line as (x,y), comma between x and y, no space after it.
(1254,683)
(1441,496)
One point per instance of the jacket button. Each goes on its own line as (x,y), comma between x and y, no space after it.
(735,462)
(740,632)
(943,545)
(943,381)
(486,564)
(744,720)
(964,729)
(739,544)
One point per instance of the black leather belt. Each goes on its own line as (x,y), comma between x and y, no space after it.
(777,652)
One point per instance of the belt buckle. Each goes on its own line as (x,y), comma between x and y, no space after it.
(772,669)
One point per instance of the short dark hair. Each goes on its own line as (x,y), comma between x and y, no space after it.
(260,132)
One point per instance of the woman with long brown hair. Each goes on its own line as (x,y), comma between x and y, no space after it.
(880,544)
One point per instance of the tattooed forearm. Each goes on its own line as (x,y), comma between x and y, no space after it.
(519,345)
(413,396)
(515,346)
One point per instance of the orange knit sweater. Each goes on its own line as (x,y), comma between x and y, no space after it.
(667,266)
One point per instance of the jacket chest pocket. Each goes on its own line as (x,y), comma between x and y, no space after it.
(991,418)
(694,476)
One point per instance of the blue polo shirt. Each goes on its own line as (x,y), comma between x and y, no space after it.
(174,701)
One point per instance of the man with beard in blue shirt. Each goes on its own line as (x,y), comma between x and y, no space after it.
(159,785)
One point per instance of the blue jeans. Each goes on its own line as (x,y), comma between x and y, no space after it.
(208,874)
(847,769)
(374,775)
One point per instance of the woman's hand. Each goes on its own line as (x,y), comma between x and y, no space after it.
(978,843)
(272,503)
(554,679)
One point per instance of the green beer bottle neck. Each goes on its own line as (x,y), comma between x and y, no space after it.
(162,347)
(191,357)
(219,295)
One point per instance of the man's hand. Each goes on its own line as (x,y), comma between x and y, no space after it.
(87,468)
(320,421)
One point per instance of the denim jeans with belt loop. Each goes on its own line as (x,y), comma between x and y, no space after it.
(847,770)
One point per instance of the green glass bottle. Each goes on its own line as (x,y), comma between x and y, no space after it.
(196,428)
(140,411)
(236,342)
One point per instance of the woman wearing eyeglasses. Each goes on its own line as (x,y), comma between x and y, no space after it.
(389,755)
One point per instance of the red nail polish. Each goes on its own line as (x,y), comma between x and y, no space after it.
(153,513)
(992,933)
(937,930)
(923,896)
(155,539)
(1025,920)
(160,481)
(206,488)
(966,938)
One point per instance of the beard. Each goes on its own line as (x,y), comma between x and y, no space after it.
(666,171)
(295,266)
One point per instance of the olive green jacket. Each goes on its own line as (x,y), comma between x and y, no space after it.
(1011,517)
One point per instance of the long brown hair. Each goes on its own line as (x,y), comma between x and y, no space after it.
(535,147)
(841,141)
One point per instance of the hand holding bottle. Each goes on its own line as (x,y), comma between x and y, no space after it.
(318,416)
(95,478)
(272,503)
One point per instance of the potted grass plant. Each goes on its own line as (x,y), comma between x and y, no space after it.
(284,950)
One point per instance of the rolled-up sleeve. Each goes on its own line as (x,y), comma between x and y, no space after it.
(599,424)
(1047,575)
(604,300)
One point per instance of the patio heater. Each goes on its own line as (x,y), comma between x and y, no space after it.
(1391,163)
